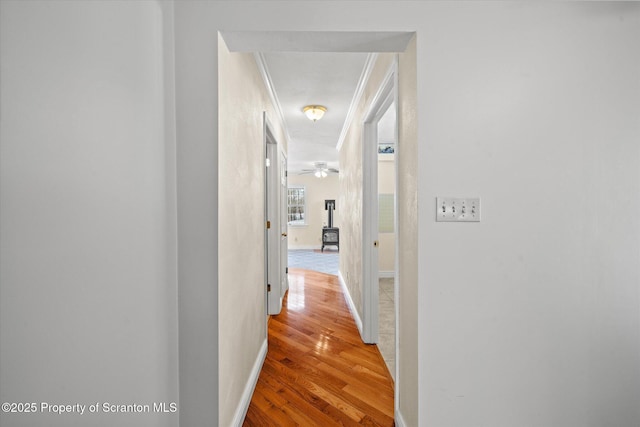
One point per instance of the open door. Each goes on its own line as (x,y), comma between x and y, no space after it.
(284,226)
(384,99)
(275,222)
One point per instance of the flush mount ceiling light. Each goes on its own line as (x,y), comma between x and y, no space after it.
(314,112)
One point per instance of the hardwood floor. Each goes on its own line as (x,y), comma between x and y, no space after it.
(317,371)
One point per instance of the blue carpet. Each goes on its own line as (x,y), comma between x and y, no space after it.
(324,262)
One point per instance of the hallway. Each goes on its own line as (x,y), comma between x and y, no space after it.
(317,371)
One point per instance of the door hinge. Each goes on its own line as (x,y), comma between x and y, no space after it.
(268,225)
(268,287)
(286,173)
(286,270)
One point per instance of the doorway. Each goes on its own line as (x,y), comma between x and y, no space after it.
(380,134)
(350,191)
(387,214)
(276,243)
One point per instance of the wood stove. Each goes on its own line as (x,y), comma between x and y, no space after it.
(330,234)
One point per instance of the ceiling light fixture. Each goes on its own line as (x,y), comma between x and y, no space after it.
(314,112)
(321,169)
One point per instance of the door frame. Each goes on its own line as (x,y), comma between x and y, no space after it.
(386,96)
(272,215)
(283,221)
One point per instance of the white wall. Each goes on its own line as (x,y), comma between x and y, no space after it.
(318,190)
(197,200)
(241,223)
(408,359)
(532,315)
(87,277)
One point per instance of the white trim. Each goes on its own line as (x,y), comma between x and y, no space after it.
(283,228)
(352,306)
(273,212)
(399,420)
(386,274)
(266,77)
(364,78)
(386,95)
(245,400)
(396,243)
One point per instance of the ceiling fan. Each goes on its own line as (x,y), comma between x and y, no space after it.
(320,170)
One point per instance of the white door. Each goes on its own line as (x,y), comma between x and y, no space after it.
(284,242)
(273,212)
(370,241)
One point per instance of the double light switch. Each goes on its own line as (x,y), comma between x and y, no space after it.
(453,209)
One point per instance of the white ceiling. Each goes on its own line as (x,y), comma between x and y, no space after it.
(303,68)
(304,78)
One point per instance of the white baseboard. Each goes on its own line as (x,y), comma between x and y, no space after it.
(243,405)
(399,420)
(386,274)
(352,307)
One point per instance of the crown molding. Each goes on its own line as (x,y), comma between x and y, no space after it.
(266,77)
(364,78)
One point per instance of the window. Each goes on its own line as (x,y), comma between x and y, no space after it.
(296,206)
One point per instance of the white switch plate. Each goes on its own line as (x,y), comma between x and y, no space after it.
(452,209)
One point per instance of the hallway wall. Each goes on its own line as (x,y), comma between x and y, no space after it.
(88,309)
(351,186)
(241,221)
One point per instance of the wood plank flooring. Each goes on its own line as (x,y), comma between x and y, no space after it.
(317,371)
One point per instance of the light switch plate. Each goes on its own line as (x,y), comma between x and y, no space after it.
(455,209)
